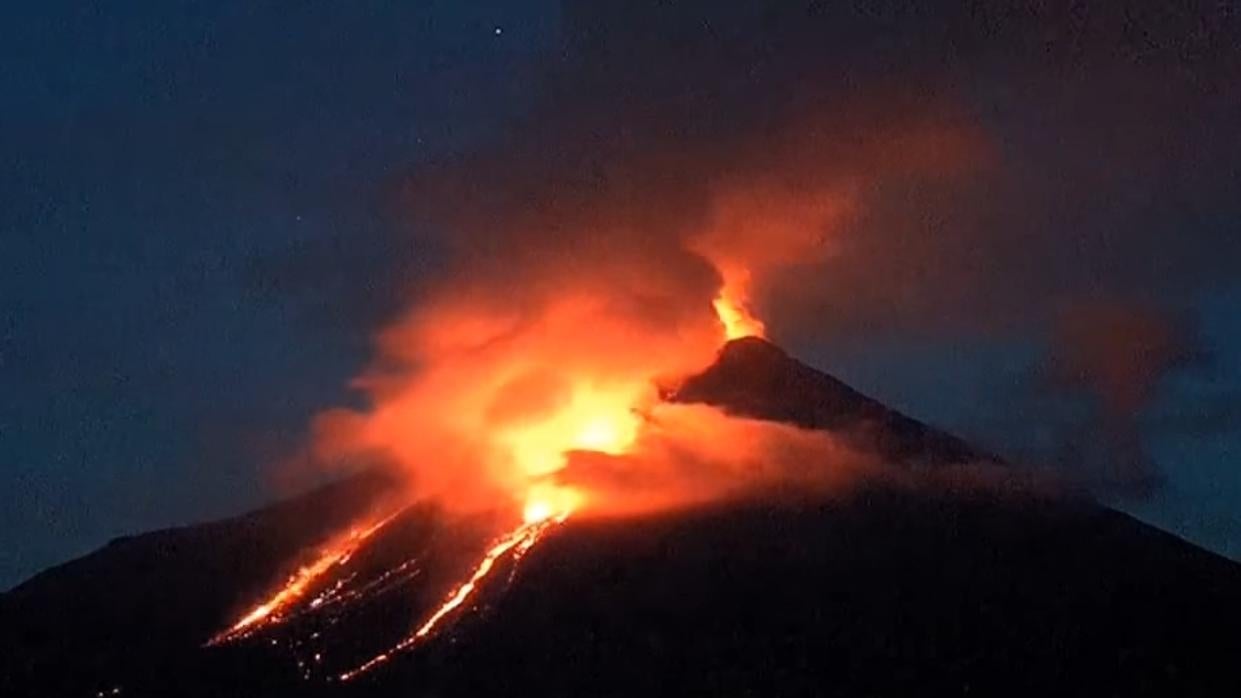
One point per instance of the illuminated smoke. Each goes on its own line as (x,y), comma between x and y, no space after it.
(572,299)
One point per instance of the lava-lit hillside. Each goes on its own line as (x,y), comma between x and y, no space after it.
(892,586)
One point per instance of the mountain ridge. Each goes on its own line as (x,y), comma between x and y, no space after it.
(880,591)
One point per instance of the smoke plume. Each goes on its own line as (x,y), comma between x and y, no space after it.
(1116,357)
(591,264)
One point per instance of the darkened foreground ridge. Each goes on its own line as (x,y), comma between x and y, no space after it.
(884,591)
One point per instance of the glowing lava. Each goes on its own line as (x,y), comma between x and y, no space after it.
(522,538)
(336,552)
(518,542)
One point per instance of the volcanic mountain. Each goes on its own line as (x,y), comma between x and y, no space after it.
(888,590)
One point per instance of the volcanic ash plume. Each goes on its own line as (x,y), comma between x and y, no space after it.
(573,298)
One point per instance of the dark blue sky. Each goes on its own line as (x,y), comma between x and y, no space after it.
(161,163)
(200,228)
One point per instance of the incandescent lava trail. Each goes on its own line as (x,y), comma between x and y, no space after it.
(335,553)
(517,543)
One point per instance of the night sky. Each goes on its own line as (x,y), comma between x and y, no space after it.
(203,223)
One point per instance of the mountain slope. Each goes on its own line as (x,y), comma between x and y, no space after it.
(754,378)
(111,612)
(886,592)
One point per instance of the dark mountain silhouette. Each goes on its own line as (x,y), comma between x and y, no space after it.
(755,378)
(889,591)
(137,598)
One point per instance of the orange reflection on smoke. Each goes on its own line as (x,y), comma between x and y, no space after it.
(502,396)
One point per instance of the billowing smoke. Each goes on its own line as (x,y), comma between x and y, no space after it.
(574,294)
(593,263)
(1116,358)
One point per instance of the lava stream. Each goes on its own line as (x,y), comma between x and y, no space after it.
(334,553)
(519,541)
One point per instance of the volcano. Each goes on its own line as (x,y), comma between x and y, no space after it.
(887,590)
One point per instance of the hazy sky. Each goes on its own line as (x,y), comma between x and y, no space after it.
(202,224)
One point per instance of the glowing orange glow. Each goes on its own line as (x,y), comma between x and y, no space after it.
(547,500)
(536,510)
(335,552)
(592,419)
(496,413)
(488,391)
(737,322)
(732,308)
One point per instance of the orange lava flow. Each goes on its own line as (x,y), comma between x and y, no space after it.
(336,552)
(523,538)
(518,541)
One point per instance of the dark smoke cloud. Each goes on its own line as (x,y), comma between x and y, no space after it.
(1092,151)
(1116,358)
(1120,354)
(669,132)
(1113,380)
(1114,174)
